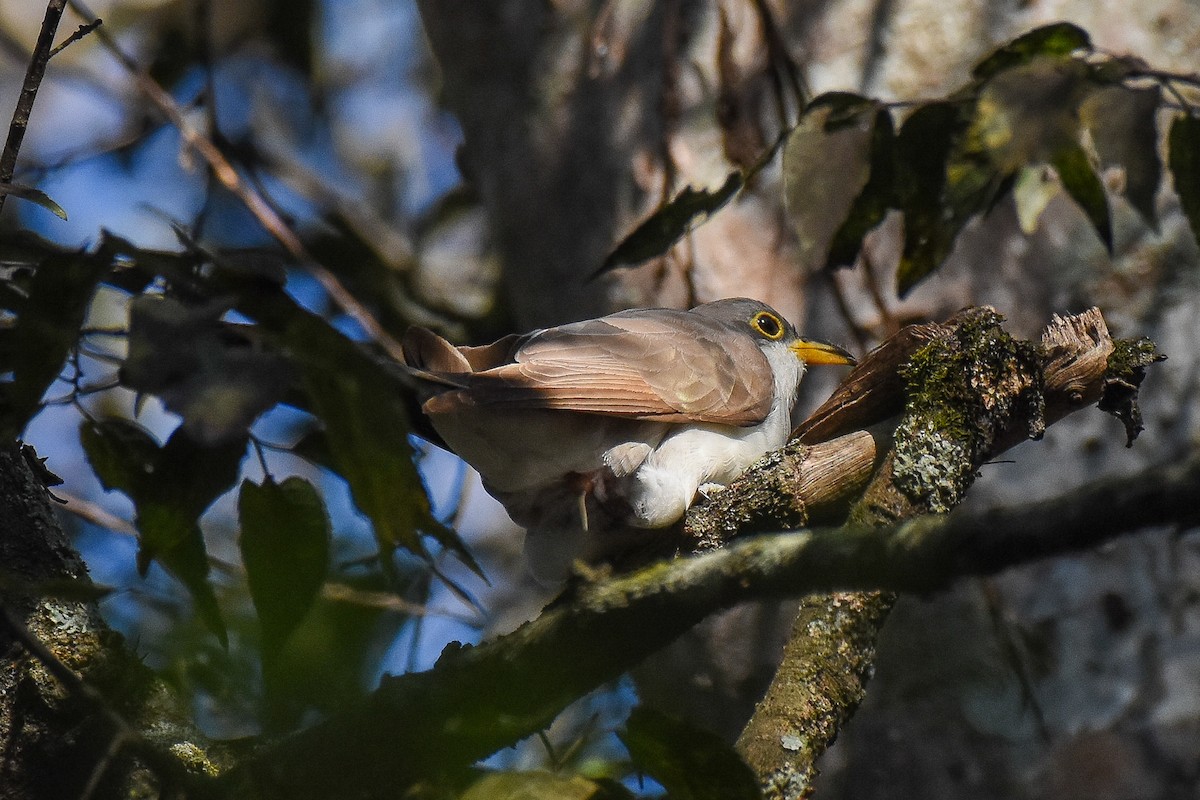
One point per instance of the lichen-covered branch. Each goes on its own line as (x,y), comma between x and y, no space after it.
(78,710)
(968,391)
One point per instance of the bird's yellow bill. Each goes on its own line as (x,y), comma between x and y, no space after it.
(814,352)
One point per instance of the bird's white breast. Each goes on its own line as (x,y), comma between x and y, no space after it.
(690,456)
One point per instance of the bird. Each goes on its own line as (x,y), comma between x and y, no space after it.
(629,416)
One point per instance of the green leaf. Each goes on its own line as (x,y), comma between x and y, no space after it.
(217,376)
(170,488)
(923,148)
(1028,112)
(1184,161)
(1023,115)
(1058,39)
(123,455)
(366,431)
(1080,180)
(47,327)
(872,203)
(671,222)
(1124,128)
(827,163)
(285,547)
(691,763)
(36,196)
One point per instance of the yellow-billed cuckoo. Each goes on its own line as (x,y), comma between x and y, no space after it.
(638,409)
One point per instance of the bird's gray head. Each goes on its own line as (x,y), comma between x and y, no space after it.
(751,316)
(768,325)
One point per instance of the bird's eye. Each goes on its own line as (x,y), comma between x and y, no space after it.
(768,325)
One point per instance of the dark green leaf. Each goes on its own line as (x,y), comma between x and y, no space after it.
(670,223)
(290,29)
(691,763)
(170,487)
(1083,184)
(923,148)
(47,327)
(827,162)
(123,455)
(1025,114)
(217,376)
(1029,112)
(36,196)
(285,548)
(1184,160)
(1058,39)
(872,203)
(1124,128)
(366,430)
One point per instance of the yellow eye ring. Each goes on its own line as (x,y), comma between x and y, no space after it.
(768,325)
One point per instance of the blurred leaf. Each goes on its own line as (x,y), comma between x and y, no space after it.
(215,375)
(366,430)
(33,195)
(289,26)
(1124,128)
(123,455)
(1080,180)
(47,326)
(827,162)
(285,547)
(1029,112)
(537,786)
(284,541)
(671,222)
(1058,39)
(691,763)
(313,447)
(1184,161)
(170,488)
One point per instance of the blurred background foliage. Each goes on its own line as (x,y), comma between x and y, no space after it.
(488,167)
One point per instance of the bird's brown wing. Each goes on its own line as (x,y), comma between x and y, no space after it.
(671,366)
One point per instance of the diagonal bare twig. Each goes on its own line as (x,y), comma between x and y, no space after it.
(227,174)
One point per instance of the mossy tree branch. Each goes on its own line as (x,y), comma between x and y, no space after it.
(969,391)
(421,726)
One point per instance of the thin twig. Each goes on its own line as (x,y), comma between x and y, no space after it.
(36,70)
(80,32)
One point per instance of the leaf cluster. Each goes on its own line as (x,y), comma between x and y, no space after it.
(1043,114)
(220,343)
